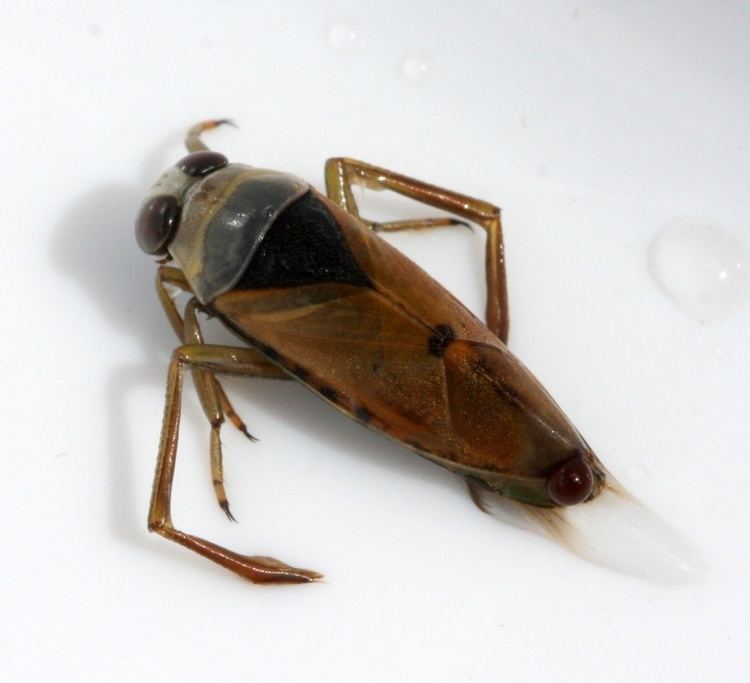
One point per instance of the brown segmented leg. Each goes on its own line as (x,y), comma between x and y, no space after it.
(416,224)
(262,368)
(221,359)
(173,276)
(208,389)
(341,173)
(211,394)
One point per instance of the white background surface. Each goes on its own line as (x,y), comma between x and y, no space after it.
(595,125)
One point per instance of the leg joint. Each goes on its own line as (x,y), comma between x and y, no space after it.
(156,525)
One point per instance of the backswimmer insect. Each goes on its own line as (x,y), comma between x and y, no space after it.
(314,294)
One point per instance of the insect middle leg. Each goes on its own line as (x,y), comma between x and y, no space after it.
(341,173)
(211,394)
(222,359)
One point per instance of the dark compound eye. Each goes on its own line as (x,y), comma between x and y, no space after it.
(156,223)
(199,164)
(570,482)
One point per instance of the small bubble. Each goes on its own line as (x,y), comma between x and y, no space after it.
(94,29)
(344,37)
(415,67)
(636,473)
(702,268)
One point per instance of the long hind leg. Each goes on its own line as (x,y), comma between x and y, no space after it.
(222,359)
(341,173)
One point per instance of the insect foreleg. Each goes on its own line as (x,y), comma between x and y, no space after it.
(210,394)
(342,173)
(215,402)
(222,359)
(171,276)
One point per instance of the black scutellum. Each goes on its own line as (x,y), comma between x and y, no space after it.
(303,246)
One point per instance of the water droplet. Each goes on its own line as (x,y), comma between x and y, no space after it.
(636,473)
(344,37)
(415,67)
(94,30)
(702,268)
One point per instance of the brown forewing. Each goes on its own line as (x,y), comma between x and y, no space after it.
(403,357)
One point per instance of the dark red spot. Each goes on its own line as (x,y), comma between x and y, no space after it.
(570,482)
(199,164)
(156,223)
